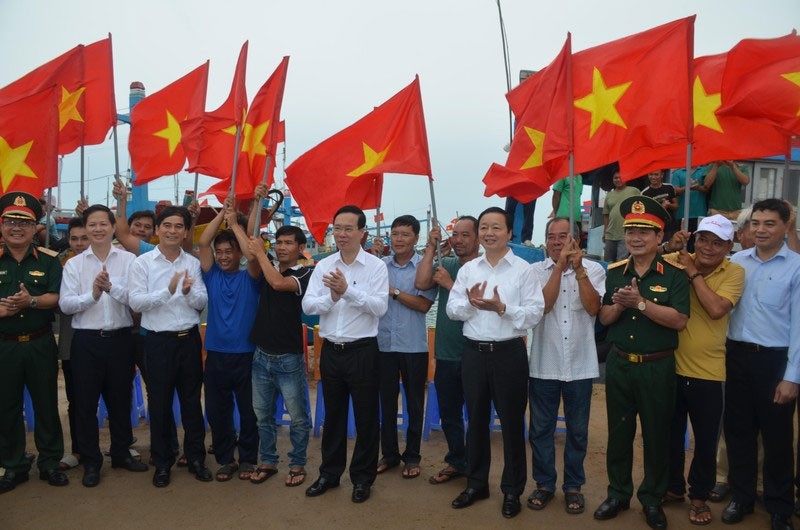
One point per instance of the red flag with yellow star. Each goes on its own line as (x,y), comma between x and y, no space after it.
(762,82)
(29,143)
(632,97)
(155,139)
(210,141)
(344,169)
(541,140)
(84,80)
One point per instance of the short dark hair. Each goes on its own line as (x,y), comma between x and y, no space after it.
(291,230)
(179,211)
(362,219)
(775,205)
(470,218)
(142,214)
(241,220)
(497,209)
(98,208)
(75,222)
(407,220)
(227,236)
(553,220)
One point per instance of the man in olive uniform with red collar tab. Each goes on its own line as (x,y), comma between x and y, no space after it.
(30,278)
(645,306)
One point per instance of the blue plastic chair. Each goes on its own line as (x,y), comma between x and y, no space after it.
(319,415)
(27,409)
(282,416)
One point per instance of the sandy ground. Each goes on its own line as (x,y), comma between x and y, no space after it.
(129,500)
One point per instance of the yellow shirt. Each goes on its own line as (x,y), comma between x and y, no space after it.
(701,345)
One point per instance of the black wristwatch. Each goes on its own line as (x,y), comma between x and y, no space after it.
(395,293)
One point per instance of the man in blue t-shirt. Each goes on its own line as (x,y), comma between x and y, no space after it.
(232,302)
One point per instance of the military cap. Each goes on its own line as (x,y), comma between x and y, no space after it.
(643,212)
(20,205)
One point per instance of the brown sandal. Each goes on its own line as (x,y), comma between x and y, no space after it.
(262,470)
(445,475)
(293,474)
(411,471)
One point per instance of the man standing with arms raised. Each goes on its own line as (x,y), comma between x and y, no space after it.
(449,341)
(350,292)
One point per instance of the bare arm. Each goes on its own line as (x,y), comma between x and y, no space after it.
(711,176)
(715,305)
(740,175)
(255,208)
(275,279)
(424,276)
(416,302)
(206,238)
(121,229)
(253,266)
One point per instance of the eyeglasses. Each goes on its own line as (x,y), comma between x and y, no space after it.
(22,223)
(344,229)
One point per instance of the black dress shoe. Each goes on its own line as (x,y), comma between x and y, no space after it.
(781,522)
(322,485)
(360,492)
(131,464)
(91,476)
(611,508)
(655,517)
(161,478)
(468,497)
(11,479)
(511,505)
(200,472)
(54,477)
(735,512)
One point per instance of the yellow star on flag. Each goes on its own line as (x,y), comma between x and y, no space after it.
(371,159)
(793,77)
(537,139)
(601,102)
(232,129)
(172,133)
(705,106)
(253,141)
(12,162)
(67,109)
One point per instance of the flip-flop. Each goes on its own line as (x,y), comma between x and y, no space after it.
(262,470)
(225,473)
(290,483)
(384,466)
(411,471)
(695,511)
(445,475)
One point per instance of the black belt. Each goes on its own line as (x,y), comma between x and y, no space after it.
(345,346)
(174,334)
(750,347)
(25,337)
(491,345)
(643,357)
(105,333)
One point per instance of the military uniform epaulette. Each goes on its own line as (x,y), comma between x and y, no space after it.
(617,264)
(675,264)
(49,252)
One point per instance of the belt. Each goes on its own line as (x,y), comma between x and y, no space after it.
(492,345)
(750,347)
(345,346)
(174,334)
(105,333)
(643,357)
(27,336)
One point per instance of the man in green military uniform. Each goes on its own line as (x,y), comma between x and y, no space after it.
(30,278)
(645,306)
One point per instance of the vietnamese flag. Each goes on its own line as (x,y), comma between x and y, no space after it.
(762,82)
(155,139)
(84,79)
(29,143)
(632,97)
(347,168)
(210,140)
(541,140)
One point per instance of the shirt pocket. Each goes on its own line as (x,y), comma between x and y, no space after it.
(774,291)
(36,281)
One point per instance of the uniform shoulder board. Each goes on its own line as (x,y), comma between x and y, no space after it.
(617,264)
(675,263)
(49,252)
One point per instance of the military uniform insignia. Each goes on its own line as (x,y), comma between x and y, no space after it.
(617,264)
(658,289)
(674,263)
(36,273)
(51,253)
(637,208)
(20,201)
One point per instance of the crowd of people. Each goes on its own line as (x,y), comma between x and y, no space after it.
(694,334)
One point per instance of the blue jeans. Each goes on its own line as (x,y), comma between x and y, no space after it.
(545,396)
(284,375)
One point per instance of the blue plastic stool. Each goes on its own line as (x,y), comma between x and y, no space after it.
(282,416)
(27,409)
(561,419)
(402,413)
(176,410)
(433,419)
(319,415)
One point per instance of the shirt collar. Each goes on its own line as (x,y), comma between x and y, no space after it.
(158,253)
(656,266)
(506,257)
(361,257)
(415,259)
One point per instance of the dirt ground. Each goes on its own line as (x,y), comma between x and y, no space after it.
(129,500)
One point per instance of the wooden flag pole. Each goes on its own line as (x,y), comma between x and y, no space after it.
(235,160)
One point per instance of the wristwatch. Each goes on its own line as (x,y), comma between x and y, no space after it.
(33,302)
(642,305)
(395,293)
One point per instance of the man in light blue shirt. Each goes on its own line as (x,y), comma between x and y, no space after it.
(763,368)
(403,345)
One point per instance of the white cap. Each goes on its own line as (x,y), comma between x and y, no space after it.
(718,225)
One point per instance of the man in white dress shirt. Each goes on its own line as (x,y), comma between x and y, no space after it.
(94,289)
(167,288)
(350,292)
(563,363)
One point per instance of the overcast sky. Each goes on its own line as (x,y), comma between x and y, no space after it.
(348,56)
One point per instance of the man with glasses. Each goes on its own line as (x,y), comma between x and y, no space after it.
(29,283)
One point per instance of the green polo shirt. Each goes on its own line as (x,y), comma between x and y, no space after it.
(449,343)
(663,284)
(41,274)
(726,192)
